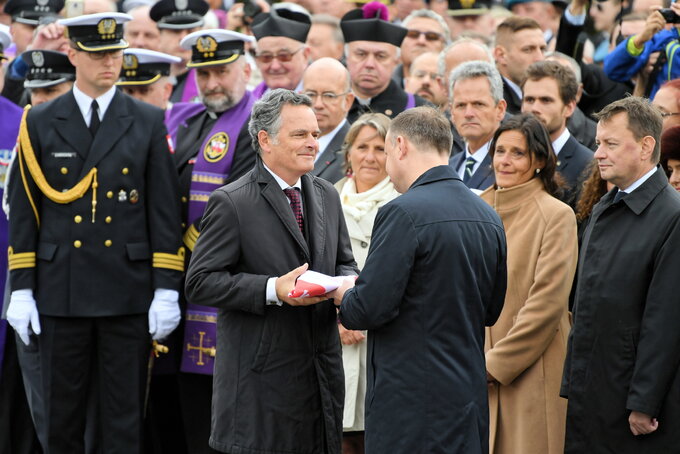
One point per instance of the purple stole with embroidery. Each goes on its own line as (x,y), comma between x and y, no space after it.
(212,168)
(190,92)
(10,114)
(259,90)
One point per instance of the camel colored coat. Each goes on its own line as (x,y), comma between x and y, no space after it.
(525,349)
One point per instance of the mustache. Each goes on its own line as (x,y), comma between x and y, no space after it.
(215,91)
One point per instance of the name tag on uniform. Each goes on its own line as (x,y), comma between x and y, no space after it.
(64,154)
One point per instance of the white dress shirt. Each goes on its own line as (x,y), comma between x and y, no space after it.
(85,102)
(638,182)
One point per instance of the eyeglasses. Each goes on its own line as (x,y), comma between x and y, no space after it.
(669,114)
(429,36)
(284,56)
(327,97)
(97,56)
(422,74)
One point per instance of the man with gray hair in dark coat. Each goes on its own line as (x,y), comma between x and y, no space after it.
(278,381)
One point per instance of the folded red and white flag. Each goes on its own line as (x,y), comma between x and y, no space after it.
(311,283)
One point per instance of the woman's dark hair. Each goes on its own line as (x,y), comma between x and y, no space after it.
(539,147)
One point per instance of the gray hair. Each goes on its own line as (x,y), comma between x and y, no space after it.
(474,69)
(572,63)
(441,62)
(331,21)
(429,15)
(266,114)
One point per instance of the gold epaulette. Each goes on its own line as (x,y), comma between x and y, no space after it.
(169,261)
(20,260)
(26,153)
(190,237)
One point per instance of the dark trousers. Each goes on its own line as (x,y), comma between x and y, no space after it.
(117,350)
(196,400)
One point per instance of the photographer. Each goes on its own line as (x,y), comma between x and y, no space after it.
(631,58)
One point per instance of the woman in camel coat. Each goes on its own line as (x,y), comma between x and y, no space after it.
(525,349)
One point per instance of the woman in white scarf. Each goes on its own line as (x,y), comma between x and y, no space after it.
(366,188)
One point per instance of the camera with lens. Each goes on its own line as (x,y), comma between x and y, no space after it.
(670,16)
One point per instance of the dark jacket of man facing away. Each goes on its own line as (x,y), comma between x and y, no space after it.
(434,277)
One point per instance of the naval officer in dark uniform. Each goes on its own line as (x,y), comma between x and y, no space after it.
(373,54)
(213,148)
(176,19)
(95,252)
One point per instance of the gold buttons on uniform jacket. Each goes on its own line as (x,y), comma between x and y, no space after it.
(109,195)
(78,219)
(64,170)
(108,243)
(125,171)
(184,199)
(108,219)
(77,244)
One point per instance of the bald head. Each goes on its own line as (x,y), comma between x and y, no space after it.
(460,52)
(327,82)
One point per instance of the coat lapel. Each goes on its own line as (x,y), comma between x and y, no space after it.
(330,154)
(482,173)
(565,155)
(276,198)
(70,125)
(116,122)
(315,216)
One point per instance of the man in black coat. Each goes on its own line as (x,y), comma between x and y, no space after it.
(622,375)
(427,389)
(95,253)
(278,383)
(549,92)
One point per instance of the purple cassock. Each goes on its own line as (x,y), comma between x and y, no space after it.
(10,118)
(211,170)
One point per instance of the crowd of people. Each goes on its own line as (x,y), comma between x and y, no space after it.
(492,185)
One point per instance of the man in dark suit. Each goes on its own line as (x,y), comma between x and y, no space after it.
(326,83)
(519,43)
(477,109)
(95,253)
(621,375)
(278,384)
(426,330)
(550,92)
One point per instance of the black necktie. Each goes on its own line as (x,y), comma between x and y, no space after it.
(469,165)
(619,195)
(94,118)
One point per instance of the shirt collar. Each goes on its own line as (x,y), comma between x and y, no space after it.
(327,138)
(478,155)
(282,184)
(85,102)
(514,87)
(638,182)
(558,144)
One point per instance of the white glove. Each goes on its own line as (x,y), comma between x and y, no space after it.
(23,311)
(164,313)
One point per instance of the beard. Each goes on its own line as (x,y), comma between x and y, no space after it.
(217,104)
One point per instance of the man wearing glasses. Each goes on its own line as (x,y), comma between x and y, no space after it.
(95,254)
(326,83)
(667,99)
(426,32)
(282,55)
(372,56)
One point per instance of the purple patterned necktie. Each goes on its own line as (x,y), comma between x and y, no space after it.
(294,197)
